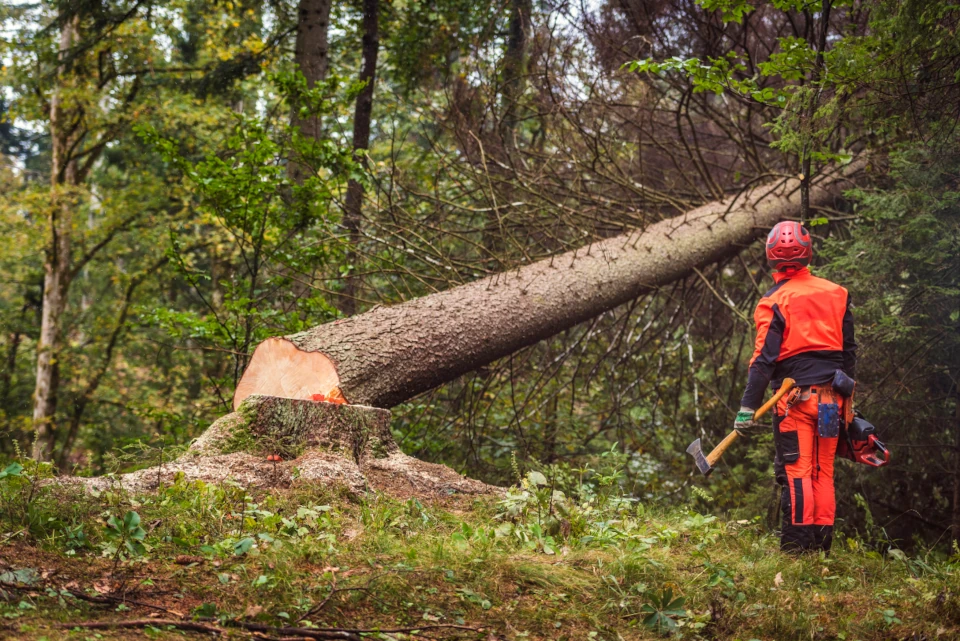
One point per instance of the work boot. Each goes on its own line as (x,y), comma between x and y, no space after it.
(823,538)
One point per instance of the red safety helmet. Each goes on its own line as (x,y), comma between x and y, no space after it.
(789,247)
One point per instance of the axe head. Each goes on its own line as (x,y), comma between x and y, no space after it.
(697,453)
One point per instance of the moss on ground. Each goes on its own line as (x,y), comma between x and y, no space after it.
(535,566)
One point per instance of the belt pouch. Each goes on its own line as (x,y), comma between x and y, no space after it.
(843,383)
(828,417)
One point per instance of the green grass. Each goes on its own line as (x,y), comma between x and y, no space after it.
(534,566)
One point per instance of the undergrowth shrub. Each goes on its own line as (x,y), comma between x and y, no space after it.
(562,548)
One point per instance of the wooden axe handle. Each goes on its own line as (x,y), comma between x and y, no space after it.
(714,456)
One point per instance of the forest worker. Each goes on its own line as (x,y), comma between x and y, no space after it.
(805,332)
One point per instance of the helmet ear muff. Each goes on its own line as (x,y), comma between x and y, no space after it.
(789,246)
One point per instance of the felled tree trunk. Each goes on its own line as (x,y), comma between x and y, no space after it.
(390,354)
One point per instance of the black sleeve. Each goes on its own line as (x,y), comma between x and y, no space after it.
(849,344)
(761,370)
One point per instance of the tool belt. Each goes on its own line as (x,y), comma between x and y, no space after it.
(829,407)
(825,392)
(838,418)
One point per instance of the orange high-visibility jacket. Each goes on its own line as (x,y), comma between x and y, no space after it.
(804,331)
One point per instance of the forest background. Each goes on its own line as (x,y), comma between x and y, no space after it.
(182,179)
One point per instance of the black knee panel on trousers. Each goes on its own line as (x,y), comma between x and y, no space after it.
(794,538)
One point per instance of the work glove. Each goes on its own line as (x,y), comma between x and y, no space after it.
(744,423)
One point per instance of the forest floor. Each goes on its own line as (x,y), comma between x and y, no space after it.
(534,565)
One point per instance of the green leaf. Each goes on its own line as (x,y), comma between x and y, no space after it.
(730,10)
(23,576)
(536,478)
(243,546)
(135,548)
(14,469)
(114,524)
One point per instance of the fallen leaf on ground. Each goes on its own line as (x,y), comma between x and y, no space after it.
(103,586)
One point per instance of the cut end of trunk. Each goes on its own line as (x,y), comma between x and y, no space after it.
(279,368)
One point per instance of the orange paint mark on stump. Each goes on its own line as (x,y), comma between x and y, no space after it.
(335,396)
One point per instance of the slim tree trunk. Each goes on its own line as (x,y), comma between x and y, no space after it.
(956,470)
(805,162)
(311,53)
(361,142)
(515,68)
(390,354)
(311,56)
(512,84)
(57,265)
(9,366)
(15,338)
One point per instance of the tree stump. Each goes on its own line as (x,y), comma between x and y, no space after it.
(349,446)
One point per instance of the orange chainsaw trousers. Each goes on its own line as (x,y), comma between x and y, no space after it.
(804,468)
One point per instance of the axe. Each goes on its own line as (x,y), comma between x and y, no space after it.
(705,463)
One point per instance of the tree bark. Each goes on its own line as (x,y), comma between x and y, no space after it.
(390,354)
(361,141)
(955,521)
(64,176)
(515,68)
(312,49)
(311,56)
(9,367)
(805,161)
